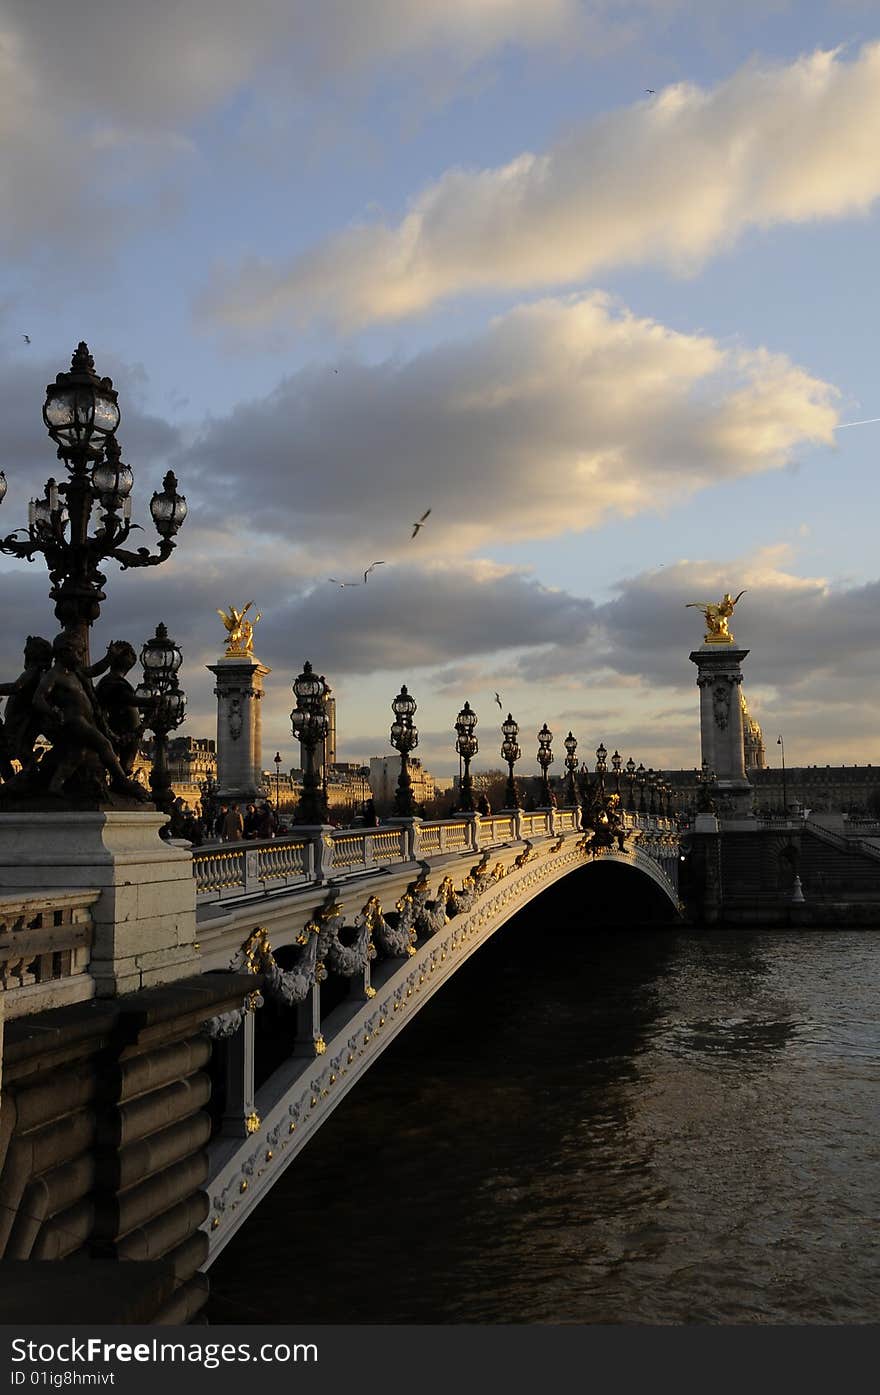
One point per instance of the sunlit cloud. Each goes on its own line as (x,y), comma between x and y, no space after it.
(670,181)
(560,415)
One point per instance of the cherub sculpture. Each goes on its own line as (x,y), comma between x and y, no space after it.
(239,632)
(120,704)
(22,726)
(717,615)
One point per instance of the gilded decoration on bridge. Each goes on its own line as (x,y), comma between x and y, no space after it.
(239,632)
(717,614)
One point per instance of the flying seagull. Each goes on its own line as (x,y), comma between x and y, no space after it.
(417,526)
(369,569)
(498,700)
(343,583)
(26,338)
(650,91)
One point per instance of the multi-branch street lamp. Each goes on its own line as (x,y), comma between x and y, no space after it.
(277,783)
(309,723)
(631,782)
(601,767)
(616,762)
(466,746)
(404,738)
(651,784)
(545,760)
(510,753)
(641,776)
(165,707)
(571,765)
(81,414)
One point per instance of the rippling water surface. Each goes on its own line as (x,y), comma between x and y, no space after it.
(658,1127)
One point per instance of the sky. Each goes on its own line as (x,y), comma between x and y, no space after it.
(594,281)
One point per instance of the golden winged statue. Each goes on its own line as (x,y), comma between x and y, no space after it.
(717,615)
(239,631)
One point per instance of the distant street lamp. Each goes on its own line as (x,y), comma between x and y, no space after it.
(780,742)
(616,762)
(641,776)
(631,781)
(571,765)
(601,767)
(545,760)
(466,747)
(309,724)
(81,414)
(277,782)
(165,706)
(510,752)
(404,738)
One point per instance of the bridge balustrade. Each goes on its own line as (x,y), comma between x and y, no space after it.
(45,949)
(496,828)
(234,870)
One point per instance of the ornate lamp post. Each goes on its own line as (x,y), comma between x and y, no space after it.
(404,738)
(466,746)
(165,708)
(81,415)
(309,723)
(641,776)
(601,767)
(277,783)
(571,765)
(510,753)
(631,782)
(616,762)
(545,760)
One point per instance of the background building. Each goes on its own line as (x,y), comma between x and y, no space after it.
(384,772)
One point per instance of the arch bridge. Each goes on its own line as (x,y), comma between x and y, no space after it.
(351,934)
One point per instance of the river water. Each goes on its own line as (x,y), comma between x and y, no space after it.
(623,1127)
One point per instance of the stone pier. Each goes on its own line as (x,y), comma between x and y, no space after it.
(719,679)
(239,694)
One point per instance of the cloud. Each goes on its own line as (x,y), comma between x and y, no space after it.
(561,414)
(83,87)
(617,671)
(670,181)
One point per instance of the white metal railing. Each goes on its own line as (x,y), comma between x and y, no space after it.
(45,949)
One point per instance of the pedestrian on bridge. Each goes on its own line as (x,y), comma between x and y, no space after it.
(232,824)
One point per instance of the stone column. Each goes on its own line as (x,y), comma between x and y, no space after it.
(239,693)
(719,679)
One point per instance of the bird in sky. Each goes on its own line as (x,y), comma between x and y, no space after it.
(650,91)
(343,583)
(498,700)
(26,338)
(370,568)
(417,526)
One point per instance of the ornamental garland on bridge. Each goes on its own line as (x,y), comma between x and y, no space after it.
(416,916)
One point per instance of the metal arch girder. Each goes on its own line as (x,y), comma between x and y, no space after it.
(303,1092)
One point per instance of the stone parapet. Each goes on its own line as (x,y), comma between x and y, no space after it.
(144,916)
